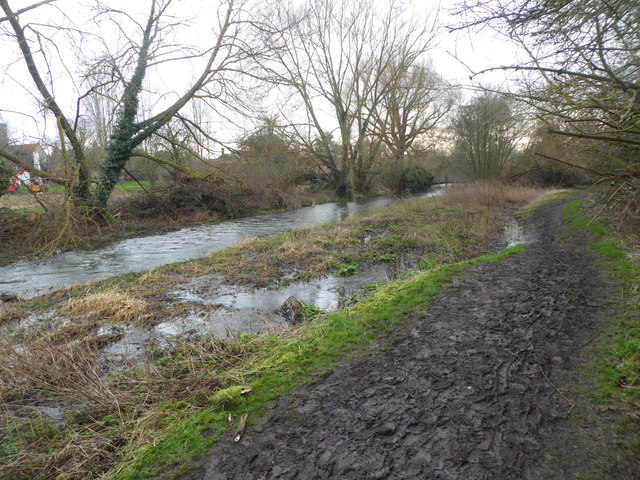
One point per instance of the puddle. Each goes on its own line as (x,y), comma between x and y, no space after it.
(513,234)
(216,308)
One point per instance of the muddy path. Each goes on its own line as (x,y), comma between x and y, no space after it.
(473,388)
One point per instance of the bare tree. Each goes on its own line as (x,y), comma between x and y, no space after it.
(416,102)
(120,75)
(582,76)
(335,56)
(485,133)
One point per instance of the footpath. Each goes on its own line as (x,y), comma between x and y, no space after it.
(480,386)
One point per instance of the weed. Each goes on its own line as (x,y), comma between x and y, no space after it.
(388,257)
(311,311)
(345,269)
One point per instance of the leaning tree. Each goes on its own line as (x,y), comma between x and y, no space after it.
(132,50)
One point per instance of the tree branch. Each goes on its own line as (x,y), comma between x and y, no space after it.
(26,9)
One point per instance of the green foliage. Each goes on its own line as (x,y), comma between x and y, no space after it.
(311,311)
(5,177)
(416,179)
(230,398)
(388,257)
(345,269)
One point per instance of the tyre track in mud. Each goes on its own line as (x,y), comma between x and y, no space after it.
(466,390)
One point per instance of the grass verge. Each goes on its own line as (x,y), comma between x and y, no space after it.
(550,197)
(281,365)
(615,370)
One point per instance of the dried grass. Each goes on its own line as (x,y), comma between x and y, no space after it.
(490,194)
(153,283)
(111,305)
(62,372)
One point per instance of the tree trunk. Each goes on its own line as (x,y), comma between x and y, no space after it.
(123,140)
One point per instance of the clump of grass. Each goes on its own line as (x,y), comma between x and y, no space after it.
(112,305)
(152,283)
(489,194)
(53,371)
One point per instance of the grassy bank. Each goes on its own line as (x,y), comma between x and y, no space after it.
(615,369)
(141,421)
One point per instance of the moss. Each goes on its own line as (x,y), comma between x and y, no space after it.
(229,398)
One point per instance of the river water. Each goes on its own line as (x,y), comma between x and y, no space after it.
(30,278)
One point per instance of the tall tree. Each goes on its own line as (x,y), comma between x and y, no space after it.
(335,56)
(416,102)
(485,134)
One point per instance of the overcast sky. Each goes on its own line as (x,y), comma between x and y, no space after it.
(455,53)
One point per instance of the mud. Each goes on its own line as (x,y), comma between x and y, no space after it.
(473,388)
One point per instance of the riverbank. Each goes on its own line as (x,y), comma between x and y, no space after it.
(65,416)
(489,381)
(58,396)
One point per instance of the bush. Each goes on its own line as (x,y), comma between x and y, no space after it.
(416,179)
(187,195)
(5,178)
(552,177)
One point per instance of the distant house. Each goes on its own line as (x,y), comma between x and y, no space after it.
(30,154)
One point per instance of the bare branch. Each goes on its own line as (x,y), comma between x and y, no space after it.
(19,12)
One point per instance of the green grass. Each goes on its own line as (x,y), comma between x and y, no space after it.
(125,186)
(281,365)
(551,197)
(617,368)
(169,413)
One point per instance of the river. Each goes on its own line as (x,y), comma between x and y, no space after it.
(31,278)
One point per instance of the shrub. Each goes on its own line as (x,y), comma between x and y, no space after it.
(552,177)
(5,178)
(416,179)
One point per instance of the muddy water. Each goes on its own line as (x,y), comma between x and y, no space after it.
(28,279)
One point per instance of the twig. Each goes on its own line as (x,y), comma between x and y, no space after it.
(569,402)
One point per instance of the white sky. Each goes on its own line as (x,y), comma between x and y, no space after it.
(475,50)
